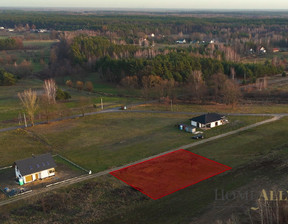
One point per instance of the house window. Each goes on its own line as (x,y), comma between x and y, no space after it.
(52,171)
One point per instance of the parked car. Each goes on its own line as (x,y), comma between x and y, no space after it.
(198,136)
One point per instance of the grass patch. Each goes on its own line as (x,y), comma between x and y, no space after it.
(92,141)
(268,108)
(244,152)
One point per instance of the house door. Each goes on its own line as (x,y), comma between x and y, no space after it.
(36,176)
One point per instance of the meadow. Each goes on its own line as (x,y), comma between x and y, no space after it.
(245,152)
(105,141)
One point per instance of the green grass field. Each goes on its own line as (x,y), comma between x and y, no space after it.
(268,108)
(92,141)
(10,106)
(244,152)
(101,86)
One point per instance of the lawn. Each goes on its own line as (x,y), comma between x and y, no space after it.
(268,108)
(10,106)
(104,141)
(245,152)
(9,102)
(101,86)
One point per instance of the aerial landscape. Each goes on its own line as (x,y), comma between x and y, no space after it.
(124,112)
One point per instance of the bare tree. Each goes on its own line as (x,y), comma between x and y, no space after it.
(217,86)
(89,86)
(50,90)
(231,92)
(79,85)
(69,83)
(30,103)
(196,87)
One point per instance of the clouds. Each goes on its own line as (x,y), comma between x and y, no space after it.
(179,4)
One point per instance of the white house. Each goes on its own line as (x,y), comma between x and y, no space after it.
(181,41)
(34,168)
(262,50)
(209,120)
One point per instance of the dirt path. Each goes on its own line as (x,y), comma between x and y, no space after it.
(118,110)
(91,176)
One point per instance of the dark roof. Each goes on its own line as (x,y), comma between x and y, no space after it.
(190,126)
(207,118)
(35,164)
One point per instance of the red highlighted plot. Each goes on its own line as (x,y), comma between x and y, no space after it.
(169,173)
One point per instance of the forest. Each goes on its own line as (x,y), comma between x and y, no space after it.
(145,50)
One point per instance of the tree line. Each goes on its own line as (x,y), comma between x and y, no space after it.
(178,66)
(11,43)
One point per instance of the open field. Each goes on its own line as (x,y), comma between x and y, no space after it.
(169,173)
(101,86)
(91,141)
(268,108)
(37,52)
(10,106)
(246,152)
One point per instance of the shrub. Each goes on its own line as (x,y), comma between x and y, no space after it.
(62,95)
(69,83)
(6,78)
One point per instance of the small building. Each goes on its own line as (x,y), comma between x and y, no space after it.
(276,50)
(190,129)
(181,41)
(34,168)
(209,120)
(262,50)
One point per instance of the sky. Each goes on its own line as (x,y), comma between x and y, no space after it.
(163,4)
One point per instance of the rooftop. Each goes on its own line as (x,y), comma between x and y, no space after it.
(207,118)
(35,164)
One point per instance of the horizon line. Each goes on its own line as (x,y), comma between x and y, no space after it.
(45,8)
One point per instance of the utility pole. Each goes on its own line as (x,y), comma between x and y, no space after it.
(19,118)
(102,104)
(171,105)
(25,122)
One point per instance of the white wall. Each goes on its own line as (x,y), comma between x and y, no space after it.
(193,123)
(44,174)
(17,172)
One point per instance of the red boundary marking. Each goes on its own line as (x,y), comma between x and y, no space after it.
(228,168)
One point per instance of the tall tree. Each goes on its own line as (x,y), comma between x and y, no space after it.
(231,92)
(196,87)
(50,90)
(29,101)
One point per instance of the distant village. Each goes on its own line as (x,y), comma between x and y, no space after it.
(23,29)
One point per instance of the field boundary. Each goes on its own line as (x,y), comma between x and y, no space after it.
(72,163)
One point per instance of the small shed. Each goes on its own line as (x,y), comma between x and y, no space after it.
(190,129)
(34,168)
